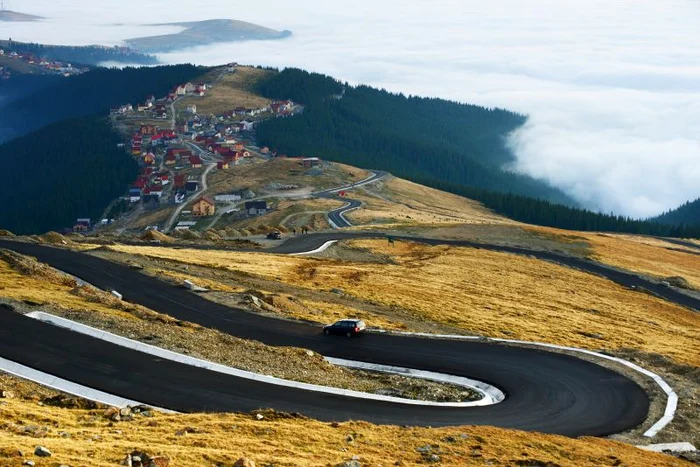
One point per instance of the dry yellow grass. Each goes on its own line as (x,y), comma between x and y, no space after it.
(20,287)
(286,171)
(220,439)
(487,293)
(233,90)
(401,202)
(641,254)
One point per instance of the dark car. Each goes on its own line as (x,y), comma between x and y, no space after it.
(345,327)
(274,235)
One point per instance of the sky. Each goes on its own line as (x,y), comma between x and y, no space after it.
(611,87)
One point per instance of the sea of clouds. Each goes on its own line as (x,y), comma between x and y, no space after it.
(612,87)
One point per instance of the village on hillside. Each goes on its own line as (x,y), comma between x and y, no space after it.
(9,60)
(178,149)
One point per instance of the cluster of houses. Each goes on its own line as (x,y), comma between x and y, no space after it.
(61,68)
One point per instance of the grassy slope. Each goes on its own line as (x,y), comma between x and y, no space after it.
(530,299)
(220,439)
(231,91)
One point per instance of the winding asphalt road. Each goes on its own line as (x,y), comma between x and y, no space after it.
(336,216)
(545,391)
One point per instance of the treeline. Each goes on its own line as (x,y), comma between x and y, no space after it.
(688,213)
(62,172)
(408,136)
(540,212)
(81,55)
(300,86)
(94,92)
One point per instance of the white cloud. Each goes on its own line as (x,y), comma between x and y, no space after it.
(612,86)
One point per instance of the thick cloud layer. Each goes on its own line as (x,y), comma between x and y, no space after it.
(612,87)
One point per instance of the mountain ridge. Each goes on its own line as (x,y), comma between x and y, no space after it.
(200,33)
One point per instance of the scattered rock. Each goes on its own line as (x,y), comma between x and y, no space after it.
(335,425)
(310,353)
(352,463)
(7,395)
(338,291)
(433,458)
(136,266)
(30,463)
(259,416)
(349,439)
(159,461)
(425,449)
(41,451)
(678,281)
(244,462)
(592,335)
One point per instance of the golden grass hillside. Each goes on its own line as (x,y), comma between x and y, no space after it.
(641,254)
(230,91)
(481,292)
(85,437)
(397,202)
(259,175)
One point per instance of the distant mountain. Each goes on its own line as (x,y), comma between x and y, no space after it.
(205,33)
(687,214)
(7,15)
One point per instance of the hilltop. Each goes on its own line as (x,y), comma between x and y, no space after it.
(205,33)
(7,15)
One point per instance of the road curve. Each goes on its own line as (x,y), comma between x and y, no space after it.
(336,217)
(545,391)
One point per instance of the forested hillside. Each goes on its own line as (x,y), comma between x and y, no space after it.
(687,214)
(91,93)
(83,55)
(540,212)
(408,136)
(67,170)
(454,147)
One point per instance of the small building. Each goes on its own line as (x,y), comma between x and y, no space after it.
(221,165)
(180,181)
(82,225)
(204,206)
(170,159)
(135,195)
(310,161)
(148,130)
(192,109)
(185,225)
(256,208)
(191,186)
(227,198)
(195,161)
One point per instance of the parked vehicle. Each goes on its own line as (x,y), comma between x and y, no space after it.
(274,236)
(345,327)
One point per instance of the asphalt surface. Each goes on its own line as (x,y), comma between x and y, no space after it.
(545,392)
(336,216)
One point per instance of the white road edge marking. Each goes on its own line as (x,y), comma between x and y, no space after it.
(672,447)
(486,390)
(69,387)
(196,362)
(323,247)
(671,396)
